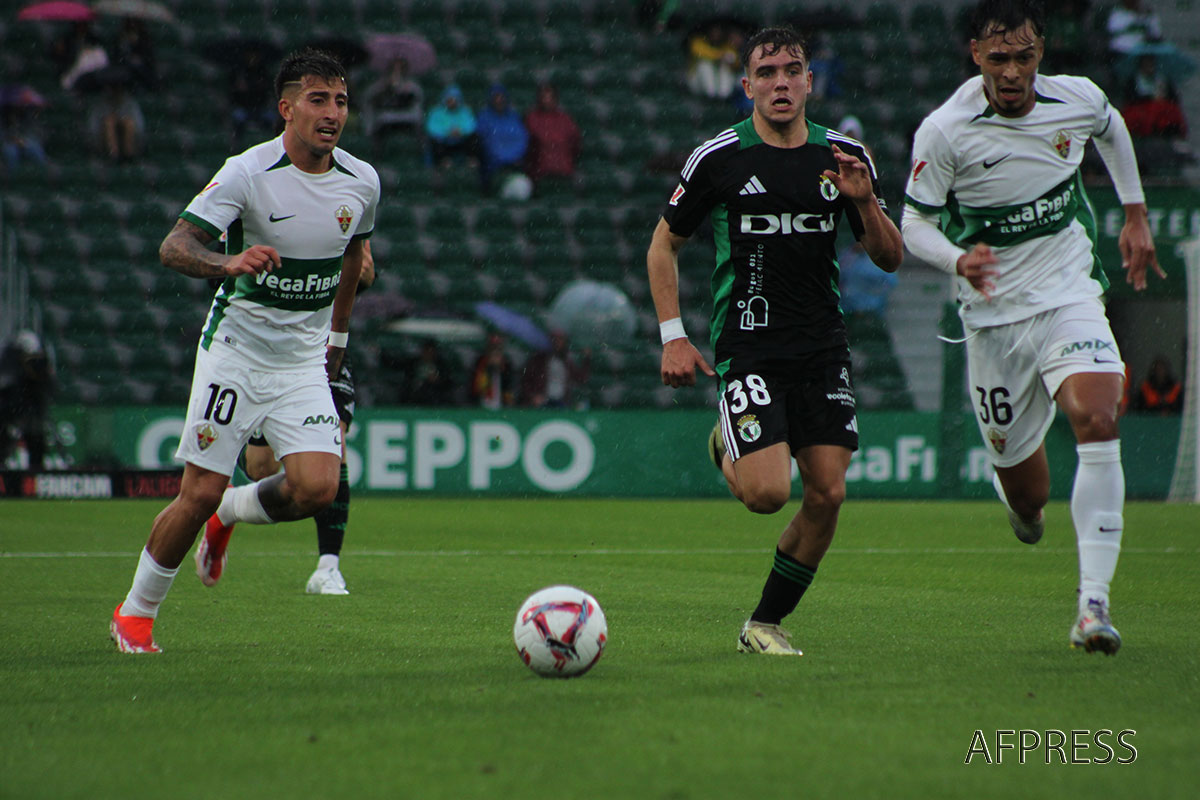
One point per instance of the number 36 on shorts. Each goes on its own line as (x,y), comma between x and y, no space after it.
(739,395)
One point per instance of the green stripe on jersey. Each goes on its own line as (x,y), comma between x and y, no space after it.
(203,224)
(1087,218)
(1005,226)
(220,304)
(722,277)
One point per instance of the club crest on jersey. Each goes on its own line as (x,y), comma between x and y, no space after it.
(998,439)
(678,193)
(344,217)
(1062,144)
(828,190)
(748,428)
(206,434)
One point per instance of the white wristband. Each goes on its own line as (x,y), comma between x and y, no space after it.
(339,339)
(671,329)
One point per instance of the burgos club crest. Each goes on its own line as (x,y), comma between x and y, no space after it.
(748,428)
(206,434)
(828,190)
(998,439)
(1062,144)
(344,217)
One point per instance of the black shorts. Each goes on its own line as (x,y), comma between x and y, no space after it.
(342,388)
(807,404)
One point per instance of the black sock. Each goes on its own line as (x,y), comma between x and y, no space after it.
(331,520)
(783,589)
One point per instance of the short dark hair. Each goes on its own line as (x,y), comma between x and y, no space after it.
(992,17)
(308,61)
(772,40)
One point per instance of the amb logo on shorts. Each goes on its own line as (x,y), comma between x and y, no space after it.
(206,434)
(748,428)
(344,217)
(998,438)
(320,419)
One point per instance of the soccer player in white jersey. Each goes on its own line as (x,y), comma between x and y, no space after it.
(297,210)
(995,197)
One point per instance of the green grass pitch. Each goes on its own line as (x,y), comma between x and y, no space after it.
(926,623)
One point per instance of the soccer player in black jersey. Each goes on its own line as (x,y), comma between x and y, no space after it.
(775,187)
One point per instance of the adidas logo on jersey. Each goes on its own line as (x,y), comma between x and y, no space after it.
(753,186)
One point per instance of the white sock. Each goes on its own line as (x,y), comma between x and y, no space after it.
(1000,489)
(327,561)
(151,582)
(241,504)
(1097,503)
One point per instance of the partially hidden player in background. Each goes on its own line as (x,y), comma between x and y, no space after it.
(995,197)
(260,462)
(297,210)
(775,187)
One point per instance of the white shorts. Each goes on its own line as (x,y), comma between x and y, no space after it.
(1016,370)
(229,400)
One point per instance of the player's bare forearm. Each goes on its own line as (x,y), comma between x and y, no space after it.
(185,251)
(881,238)
(343,301)
(662,267)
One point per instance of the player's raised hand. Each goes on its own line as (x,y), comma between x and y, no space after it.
(973,265)
(1137,250)
(852,178)
(680,359)
(253,260)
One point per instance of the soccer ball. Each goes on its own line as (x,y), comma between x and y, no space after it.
(560,632)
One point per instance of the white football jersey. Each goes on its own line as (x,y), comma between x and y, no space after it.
(1014,184)
(279,320)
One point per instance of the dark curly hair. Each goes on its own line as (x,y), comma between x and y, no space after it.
(772,40)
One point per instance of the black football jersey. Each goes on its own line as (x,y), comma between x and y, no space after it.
(774,218)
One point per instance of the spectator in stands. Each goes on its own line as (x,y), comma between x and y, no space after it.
(551,377)
(395,102)
(430,381)
(503,139)
(20,130)
(492,378)
(865,287)
(827,69)
(117,123)
(714,60)
(65,49)
(451,129)
(1152,102)
(554,138)
(1161,392)
(135,51)
(1069,35)
(1132,23)
(252,102)
(26,384)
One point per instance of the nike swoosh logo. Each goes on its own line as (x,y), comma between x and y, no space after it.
(338,440)
(274,218)
(1102,361)
(1110,530)
(990,164)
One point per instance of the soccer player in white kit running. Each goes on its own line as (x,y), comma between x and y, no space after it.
(995,197)
(297,211)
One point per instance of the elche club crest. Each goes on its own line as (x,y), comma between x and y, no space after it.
(344,217)
(1062,144)
(748,428)
(206,434)
(998,439)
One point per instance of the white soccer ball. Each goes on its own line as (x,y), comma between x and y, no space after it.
(560,632)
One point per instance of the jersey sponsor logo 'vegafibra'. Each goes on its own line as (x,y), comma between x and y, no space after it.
(307,283)
(678,193)
(771,224)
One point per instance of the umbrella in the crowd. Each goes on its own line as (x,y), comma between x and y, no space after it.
(21,97)
(1176,65)
(593,313)
(137,9)
(513,323)
(385,48)
(57,10)
(348,51)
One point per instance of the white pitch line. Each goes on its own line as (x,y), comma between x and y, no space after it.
(869,551)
